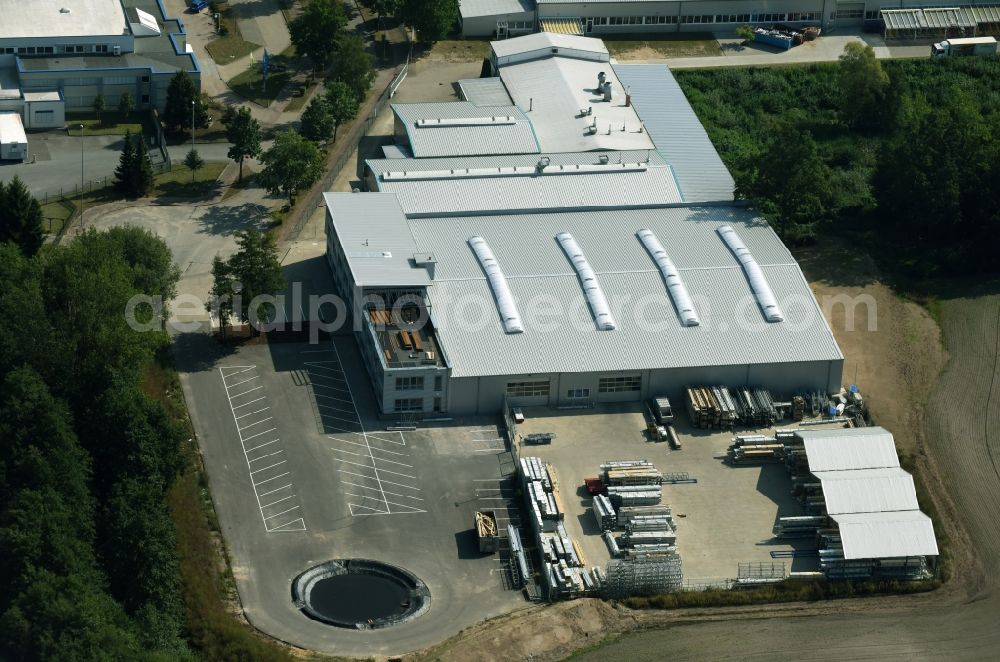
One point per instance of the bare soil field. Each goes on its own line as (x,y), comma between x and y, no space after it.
(942,408)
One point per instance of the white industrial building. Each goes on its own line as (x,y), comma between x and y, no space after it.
(58,55)
(877,527)
(607,18)
(589,251)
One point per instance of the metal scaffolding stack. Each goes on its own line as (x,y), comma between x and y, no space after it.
(643,576)
(604,513)
(635,495)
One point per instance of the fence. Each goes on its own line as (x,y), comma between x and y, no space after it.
(91,185)
(346,144)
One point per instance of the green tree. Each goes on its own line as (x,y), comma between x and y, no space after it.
(20,217)
(220,297)
(342,102)
(143,172)
(432,19)
(745,32)
(125,172)
(181,93)
(863,84)
(257,268)
(385,7)
(353,66)
(315,31)
(243,131)
(99,106)
(292,164)
(317,120)
(126,104)
(193,161)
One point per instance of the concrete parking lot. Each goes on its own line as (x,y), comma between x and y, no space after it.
(302,471)
(724,519)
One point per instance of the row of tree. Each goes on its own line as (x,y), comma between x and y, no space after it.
(902,154)
(88,558)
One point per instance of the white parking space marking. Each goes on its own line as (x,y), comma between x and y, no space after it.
(371,472)
(275,512)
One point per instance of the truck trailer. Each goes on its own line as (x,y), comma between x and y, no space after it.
(13,141)
(965,47)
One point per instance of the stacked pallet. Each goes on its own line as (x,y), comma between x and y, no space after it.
(662,537)
(634,475)
(533,469)
(565,581)
(628,513)
(604,513)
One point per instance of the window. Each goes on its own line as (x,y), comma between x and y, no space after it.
(438,382)
(408,404)
(76,48)
(527,389)
(119,80)
(598,20)
(698,19)
(849,13)
(769,18)
(6,51)
(872,14)
(659,20)
(101,48)
(578,393)
(144,98)
(798,17)
(619,384)
(409,383)
(44,112)
(732,18)
(145,79)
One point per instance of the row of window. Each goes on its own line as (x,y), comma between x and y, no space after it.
(408,404)
(626,384)
(848,13)
(51,50)
(417,383)
(704,18)
(520,25)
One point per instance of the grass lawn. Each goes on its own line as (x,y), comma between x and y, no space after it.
(685,45)
(112,123)
(230,46)
(248,85)
(177,182)
(459,50)
(56,214)
(297,102)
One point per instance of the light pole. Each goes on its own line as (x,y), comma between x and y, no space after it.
(192,123)
(83,200)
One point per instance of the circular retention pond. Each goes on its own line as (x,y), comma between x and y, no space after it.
(360,594)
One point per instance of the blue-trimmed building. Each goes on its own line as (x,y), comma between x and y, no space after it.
(56,56)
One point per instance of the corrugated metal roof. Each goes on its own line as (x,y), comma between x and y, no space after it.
(516,138)
(562,25)
(376,239)
(867,490)
(649,334)
(544,40)
(396,152)
(474,8)
(485,91)
(556,92)
(845,449)
(928,19)
(886,535)
(677,132)
(555,189)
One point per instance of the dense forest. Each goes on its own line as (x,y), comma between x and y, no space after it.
(902,155)
(88,555)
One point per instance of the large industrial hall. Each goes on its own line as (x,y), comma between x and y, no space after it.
(603,259)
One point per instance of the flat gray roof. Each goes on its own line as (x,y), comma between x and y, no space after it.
(847,449)
(679,136)
(886,535)
(44,18)
(649,334)
(556,93)
(474,8)
(376,239)
(544,40)
(514,183)
(428,139)
(867,490)
(485,91)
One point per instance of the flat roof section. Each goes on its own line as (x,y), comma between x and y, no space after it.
(678,133)
(867,490)
(498,8)
(519,183)
(560,97)
(886,535)
(26,19)
(460,128)
(847,449)
(485,91)
(376,240)
(11,129)
(559,331)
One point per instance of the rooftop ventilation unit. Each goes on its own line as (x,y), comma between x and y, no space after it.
(498,282)
(591,288)
(675,285)
(512,171)
(754,274)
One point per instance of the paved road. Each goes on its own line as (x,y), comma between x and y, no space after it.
(825,49)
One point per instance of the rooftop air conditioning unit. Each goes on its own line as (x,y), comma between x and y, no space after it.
(116,50)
